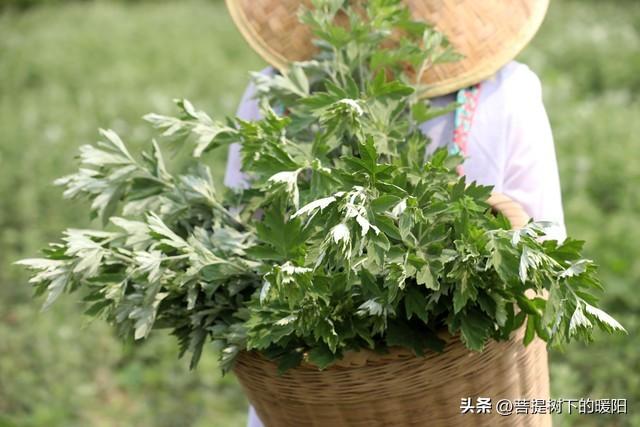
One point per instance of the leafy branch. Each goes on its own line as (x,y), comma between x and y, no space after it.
(345,238)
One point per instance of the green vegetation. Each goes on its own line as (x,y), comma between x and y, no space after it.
(67,70)
(586,56)
(406,247)
(26,4)
(64,72)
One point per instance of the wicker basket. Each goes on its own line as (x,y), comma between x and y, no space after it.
(399,389)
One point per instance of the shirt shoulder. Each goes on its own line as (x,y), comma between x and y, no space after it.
(507,99)
(513,85)
(504,108)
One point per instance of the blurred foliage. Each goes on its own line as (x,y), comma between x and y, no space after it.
(587,57)
(64,72)
(26,4)
(67,69)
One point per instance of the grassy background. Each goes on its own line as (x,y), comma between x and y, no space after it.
(69,68)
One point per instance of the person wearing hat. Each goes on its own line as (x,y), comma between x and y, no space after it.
(501,125)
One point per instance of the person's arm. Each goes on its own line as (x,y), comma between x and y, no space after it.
(531,171)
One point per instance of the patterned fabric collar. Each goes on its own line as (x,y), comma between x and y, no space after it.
(467,100)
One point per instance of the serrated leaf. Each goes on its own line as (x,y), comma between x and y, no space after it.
(463,292)
(319,205)
(530,331)
(289,360)
(576,268)
(425,277)
(321,356)
(604,318)
(421,112)
(384,203)
(415,304)
(55,289)
(578,320)
(474,328)
(371,307)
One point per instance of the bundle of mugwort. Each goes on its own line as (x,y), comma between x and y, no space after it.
(345,236)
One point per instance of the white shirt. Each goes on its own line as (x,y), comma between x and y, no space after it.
(510,147)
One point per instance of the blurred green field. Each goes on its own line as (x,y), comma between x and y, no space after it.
(68,69)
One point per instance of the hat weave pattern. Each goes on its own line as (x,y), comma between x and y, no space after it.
(488,33)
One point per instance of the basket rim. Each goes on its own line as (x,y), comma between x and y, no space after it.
(354,359)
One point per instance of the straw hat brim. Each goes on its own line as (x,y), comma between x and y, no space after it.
(488,33)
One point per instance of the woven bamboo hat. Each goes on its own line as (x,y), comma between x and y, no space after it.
(489,33)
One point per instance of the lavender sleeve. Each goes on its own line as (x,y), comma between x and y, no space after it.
(247,110)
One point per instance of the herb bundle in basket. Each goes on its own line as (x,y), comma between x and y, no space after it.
(345,237)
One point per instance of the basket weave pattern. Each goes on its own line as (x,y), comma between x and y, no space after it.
(399,389)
